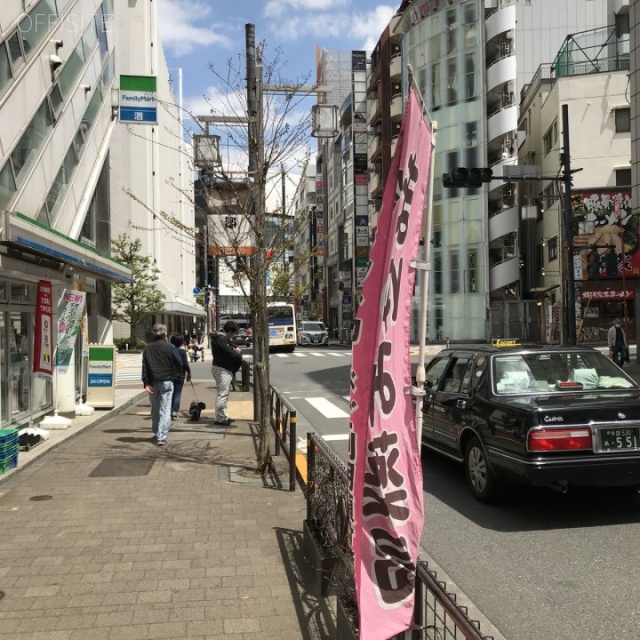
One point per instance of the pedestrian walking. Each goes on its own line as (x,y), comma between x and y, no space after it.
(227,359)
(178,342)
(618,346)
(161,365)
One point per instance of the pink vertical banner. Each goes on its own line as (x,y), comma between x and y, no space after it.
(384,457)
(43,333)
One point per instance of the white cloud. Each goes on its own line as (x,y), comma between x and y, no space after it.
(369,26)
(322,20)
(180,26)
(276,8)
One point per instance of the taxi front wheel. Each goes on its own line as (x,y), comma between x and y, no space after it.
(481,479)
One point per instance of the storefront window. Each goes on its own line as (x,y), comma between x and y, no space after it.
(19,372)
(20,292)
(4,379)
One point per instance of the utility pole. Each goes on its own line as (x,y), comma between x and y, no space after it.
(254,107)
(570,294)
(285,268)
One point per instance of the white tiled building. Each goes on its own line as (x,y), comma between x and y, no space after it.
(64,162)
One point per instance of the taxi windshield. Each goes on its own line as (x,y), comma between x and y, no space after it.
(556,372)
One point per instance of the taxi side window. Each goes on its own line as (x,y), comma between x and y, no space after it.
(458,377)
(434,372)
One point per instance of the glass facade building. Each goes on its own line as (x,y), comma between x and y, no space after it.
(445,53)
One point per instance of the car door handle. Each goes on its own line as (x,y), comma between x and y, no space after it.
(461,404)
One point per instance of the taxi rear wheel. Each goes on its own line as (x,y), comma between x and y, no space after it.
(481,479)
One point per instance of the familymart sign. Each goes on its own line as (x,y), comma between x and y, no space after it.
(138,100)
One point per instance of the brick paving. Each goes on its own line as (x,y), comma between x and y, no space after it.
(108,536)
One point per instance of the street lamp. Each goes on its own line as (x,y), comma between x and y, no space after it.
(206,151)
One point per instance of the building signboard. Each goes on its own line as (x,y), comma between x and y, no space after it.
(138,100)
(605,222)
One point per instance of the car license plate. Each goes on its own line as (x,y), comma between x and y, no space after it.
(620,439)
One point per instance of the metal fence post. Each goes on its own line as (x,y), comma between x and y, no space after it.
(278,425)
(311,466)
(293,419)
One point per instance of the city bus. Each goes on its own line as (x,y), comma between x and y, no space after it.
(282,326)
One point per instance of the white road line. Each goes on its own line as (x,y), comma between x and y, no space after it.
(280,355)
(318,355)
(299,355)
(327,408)
(336,437)
(339,354)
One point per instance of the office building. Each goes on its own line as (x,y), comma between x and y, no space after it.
(471,59)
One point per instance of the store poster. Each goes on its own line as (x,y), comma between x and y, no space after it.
(43,336)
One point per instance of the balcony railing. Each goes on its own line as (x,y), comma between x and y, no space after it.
(593,51)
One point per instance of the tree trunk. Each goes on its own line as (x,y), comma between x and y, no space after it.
(261,354)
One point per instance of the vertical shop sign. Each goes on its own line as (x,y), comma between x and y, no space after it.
(43,336)
(101,384)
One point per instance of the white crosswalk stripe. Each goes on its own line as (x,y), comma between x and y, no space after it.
(304,354)
(327,408)
(128,368)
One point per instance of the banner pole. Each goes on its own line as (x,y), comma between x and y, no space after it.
(425,267)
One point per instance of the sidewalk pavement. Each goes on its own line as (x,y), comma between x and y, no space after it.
(111,537)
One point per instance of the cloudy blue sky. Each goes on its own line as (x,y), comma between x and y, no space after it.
(196,33)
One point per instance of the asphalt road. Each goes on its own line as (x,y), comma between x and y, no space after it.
(539,565)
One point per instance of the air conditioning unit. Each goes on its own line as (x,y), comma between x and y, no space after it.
(509,35)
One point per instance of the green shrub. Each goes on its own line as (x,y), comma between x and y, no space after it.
(134,344)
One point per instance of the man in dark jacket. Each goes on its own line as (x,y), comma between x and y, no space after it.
(161,365)
(227,359)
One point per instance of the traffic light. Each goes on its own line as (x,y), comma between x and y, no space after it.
(463,177)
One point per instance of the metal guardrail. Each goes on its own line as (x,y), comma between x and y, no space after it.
(437,615)
(328,495)
(283,419)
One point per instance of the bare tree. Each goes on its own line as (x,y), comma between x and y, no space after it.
(262,135)
(266,123)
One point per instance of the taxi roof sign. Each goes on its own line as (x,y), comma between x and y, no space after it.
(505,342)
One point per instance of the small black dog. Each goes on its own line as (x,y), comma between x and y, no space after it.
(195,409)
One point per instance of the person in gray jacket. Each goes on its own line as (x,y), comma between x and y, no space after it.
(161,365)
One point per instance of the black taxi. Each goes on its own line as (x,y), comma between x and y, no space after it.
(555,417)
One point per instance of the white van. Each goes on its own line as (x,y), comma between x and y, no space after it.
(313,332)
